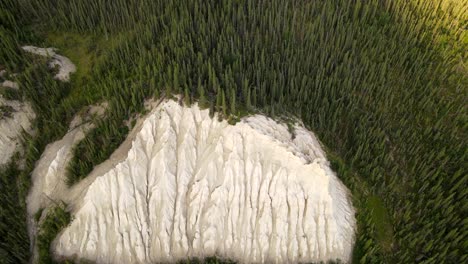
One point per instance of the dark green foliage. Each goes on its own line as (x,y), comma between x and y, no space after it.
(366,249)
(6,111)
(57,218)
(10,93)
(207,260)
(14,241)
(38,214)
(383,83)
(99,144)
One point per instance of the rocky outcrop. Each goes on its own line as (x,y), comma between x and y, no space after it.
(191,186)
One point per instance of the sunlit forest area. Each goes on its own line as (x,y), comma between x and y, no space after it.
(383,84)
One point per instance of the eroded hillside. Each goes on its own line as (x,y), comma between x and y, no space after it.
(192,186)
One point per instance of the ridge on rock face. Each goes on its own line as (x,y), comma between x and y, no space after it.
(192,186)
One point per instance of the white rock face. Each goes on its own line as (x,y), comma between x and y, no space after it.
(66,67)
(192,186)
(12,126)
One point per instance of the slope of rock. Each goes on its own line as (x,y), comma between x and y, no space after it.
(191,186)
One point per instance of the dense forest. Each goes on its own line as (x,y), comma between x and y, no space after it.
(383,83)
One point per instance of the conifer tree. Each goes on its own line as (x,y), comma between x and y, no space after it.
(186,96)
(219,101)
(224,107)
(233,102)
